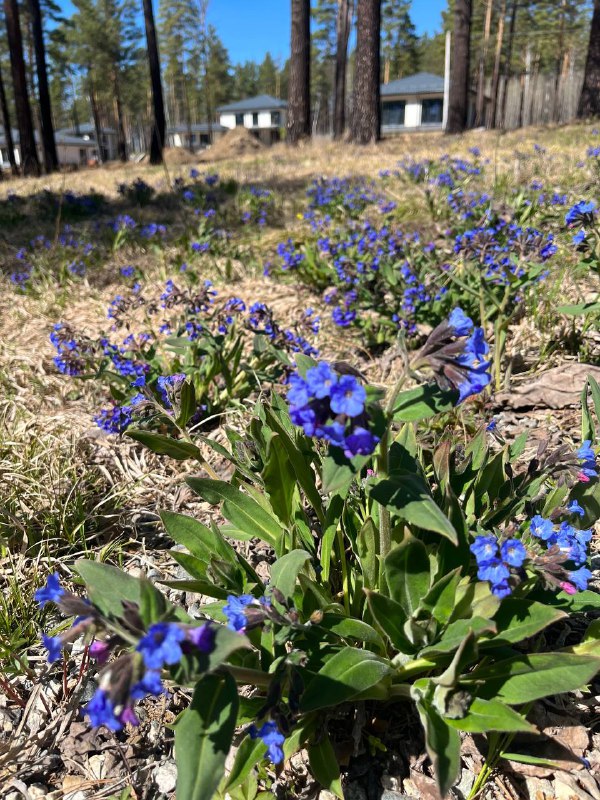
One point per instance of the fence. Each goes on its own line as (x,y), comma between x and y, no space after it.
(537,99)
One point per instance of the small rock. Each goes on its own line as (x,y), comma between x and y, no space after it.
(165,777)
(464,786)
(96,766)
(387,794)
(390,782)
(37,790)
(325,795)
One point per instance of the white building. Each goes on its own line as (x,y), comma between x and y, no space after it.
(87,133)
(71,150)
(195,136)
(264,115)
(412,103)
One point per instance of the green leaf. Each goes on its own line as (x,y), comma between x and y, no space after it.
(521,758)
(166,446)
(241,510)
(201,541)
(443,746)
(518,619)
(284,571)
(529,677)
(187,403)
(348,673)
(338,472)
(439,600)
(108,586)
(330,526)
(390,616)
(203,735)
(454,634)
(348,628)
(324,766)
(423,402)
(578,309)
(407,496)
(408,574)
(367,547)
(198,586)
(279,479)
(249,753)
(153,604)
(491,715)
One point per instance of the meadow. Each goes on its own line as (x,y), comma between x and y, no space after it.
(318,421)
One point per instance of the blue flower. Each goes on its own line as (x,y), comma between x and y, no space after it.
(501,589)
(161,645)
(484,548)
(542,528)
(305,418)
(51,592)
(272,737)
(581,212)
(234,611)
(149,684)
(101,711)
(54,646)
(575,508)
(360,442)
(513,552)
(585,452)
(348,396)
(320,380)
(298,391)
(202,637)
(580,578)
(494,571)
(461,324)
(332,433)
(579,237)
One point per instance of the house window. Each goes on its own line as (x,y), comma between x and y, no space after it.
(432,111)
(392,112)
(3,156)
(82,155)
(255,120)
(275,119)
(239,120)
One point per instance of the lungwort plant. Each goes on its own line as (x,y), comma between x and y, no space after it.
(408,566)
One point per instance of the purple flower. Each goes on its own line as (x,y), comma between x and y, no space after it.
(51,592)
(494,571)
(161,645)
(459,321)
(298,391)
(100,651)
(202,637)
(272,737)
(348,396)
(360,442)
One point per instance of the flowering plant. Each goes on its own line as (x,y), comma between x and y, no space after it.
(406,568)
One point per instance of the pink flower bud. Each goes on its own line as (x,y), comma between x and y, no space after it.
(568,587)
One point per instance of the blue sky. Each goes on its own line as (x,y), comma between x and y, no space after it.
(250,28)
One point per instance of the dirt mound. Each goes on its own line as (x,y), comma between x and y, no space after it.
(179,155)
(236,142)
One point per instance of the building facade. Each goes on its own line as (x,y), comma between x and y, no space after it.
(412,103)
(264,116)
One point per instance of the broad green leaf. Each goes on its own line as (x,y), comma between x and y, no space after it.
(194,567)
(284,571)
(519,618)
(423,402)
(367,546)
(407,496)
(443,746)
(491,715)
(439,600)
(454,634)
(203,734)
(239,509)
(324,766)
(348,673)
(166,446)
(338,472)
(187,403)
(279,480)
(529,677)
(578,309)
(390,616)
(330,526)
(348,628)
(407,570)
(108,586)
(204,587)
(249,753)
(201,541)
(153,603)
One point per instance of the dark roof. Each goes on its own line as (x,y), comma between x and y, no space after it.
(59,137)
(198,127)
(262,102)
(421,83)
(85,129)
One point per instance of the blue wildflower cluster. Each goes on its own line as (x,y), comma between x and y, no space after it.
(582,215)
(332,406)
(261,206)
(495,560)
(348,195)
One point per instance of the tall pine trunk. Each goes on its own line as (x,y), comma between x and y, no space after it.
(48,143)
(29,157)
(458,102)
(507,63)
(102,154)
(10,145)
(121,141)
(298,116)
(344,18)
(483,51)
(589,100)
(157,139)
(366,113)
(497,62)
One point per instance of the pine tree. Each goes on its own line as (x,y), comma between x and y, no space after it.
(458,101)
(298,117)
(589,100)
(48,143)
(343,23)
(8,137)
(267,76)
(366,114)
(29,157)
(157,135)
(245,80)
(399,41)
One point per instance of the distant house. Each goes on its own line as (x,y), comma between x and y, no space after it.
(87,133)
(71,150)
(412,103)
(196,136)
(264,115)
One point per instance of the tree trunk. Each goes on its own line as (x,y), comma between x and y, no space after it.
(589,100)
(458,102)
(121,141)
(524,87)
(157,139)
(7,129)
(507,63)
(497,62)
(48,143)
(480,108)
(29,157)
(366,116)
(560,55)
(102,154)
(344,18)
(298,117)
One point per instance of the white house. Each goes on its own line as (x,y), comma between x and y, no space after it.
(412,103)
(263,115)
(87,133)
(195,136)
(71,150)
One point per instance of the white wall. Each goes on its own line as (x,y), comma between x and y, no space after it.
(412,114)
(227,120)
(264,119)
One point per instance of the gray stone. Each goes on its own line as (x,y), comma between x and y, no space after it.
(165,777)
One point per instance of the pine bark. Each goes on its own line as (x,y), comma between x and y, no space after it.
(589,100)
(157,139)
(29,157)
(497,64)
(507,62)
(102,154)
(480,109)
(458,102)
(48,142)
(121,140)
(344,18)
(298,116)
(366,114)
(8,138)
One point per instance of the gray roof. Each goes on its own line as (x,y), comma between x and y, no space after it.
(421,83)
(198,127)
(85,129)
(60,138)
(262,102)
